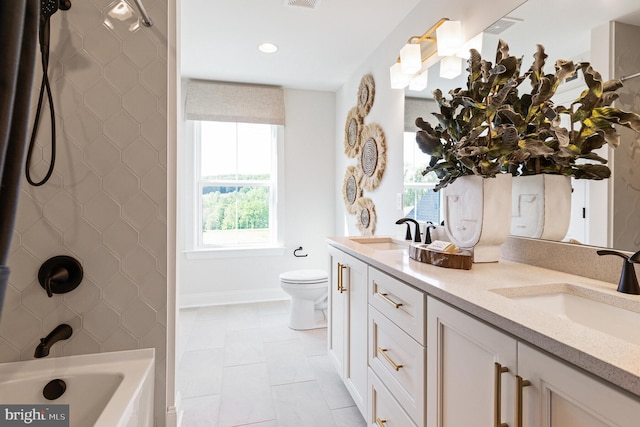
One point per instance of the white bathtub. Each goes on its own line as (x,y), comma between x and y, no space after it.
(103,390)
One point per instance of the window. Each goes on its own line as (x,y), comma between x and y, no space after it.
(236,183)
(420,202)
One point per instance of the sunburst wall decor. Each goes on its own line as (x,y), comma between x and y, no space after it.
(352,132)
(366,216)
(366,94)
(372,158)
(351,190)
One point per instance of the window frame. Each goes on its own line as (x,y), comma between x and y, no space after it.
(192,211)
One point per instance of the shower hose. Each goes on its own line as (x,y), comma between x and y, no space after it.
(44,86)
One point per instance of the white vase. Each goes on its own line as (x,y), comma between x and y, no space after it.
(477,215)
(541,206)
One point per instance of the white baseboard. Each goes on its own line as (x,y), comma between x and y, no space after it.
(232,297)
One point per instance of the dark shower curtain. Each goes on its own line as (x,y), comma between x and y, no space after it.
(19,20)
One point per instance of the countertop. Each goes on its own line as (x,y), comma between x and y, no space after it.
(607,357)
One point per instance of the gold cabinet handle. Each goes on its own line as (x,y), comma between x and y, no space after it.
(341,288)
(380,422)
(520,384)
(497,395)
(383,352)
(389,300)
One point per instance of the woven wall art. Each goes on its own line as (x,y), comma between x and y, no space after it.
(373,156)
(352,132)
(366,94)
(366,216)
(351,190)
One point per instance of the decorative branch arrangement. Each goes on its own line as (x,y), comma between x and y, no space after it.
(489,128)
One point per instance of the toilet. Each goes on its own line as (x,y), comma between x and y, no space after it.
(308,290)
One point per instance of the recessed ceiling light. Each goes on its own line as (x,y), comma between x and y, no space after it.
(268,48)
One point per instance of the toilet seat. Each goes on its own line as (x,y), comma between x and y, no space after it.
(304,277)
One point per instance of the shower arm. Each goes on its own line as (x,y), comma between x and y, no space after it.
(629,77)
(146,19)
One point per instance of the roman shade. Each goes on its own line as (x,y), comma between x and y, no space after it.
(234,102)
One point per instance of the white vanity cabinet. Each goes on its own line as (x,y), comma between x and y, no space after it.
(397,353)
(478,375)
(347,326)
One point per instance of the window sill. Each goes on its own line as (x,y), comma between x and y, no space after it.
(234,252)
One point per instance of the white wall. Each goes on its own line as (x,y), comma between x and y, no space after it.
(388,106)
(308,218)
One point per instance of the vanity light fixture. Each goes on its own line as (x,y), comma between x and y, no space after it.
(442,42)
(267,48)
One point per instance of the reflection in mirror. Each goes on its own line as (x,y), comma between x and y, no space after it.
(603,213)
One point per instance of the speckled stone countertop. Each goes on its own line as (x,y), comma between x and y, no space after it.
(603,355)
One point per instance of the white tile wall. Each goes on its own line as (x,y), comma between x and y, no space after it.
(106,203)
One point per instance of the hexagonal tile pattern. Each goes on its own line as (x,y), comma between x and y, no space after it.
(80,343)
(154,130)
(36,300)
(102,155)
(121,183)
(102,44)
(85,17)
(139,318)
(140,49)
(102,100)
(153,290)
(154,76)
(12,300)
(122,73)
(140,103)
(156,338)
(101,321)
(62,211)
(101,211)
(82,238)
(85,296)
(121,129)
(138,264)
(28,331)
(62,314)
(42,240)
(154,183)
(83,184)
(24,269)
(101,264)
(67,98)
(153,237)
(120,340)
(82,70)
(139,210)
(65,42)
(120,292)
(29,212)
(8,353)
(120,238)
(82,126)
(140,156)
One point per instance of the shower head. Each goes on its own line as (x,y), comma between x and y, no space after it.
(48,8)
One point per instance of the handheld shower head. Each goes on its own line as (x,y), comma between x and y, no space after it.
(48,8)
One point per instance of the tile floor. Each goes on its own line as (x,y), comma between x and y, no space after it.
(240,365)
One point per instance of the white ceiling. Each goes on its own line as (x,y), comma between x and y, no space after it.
(321,48)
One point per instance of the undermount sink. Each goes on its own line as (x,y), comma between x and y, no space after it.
(610,312)
(381,243)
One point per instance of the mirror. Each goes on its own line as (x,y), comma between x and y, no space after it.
(573,30)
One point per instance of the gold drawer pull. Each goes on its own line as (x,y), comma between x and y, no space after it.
(389,300)
(520,384)
(497,395)
(341,288)
(380,422)
(383,352)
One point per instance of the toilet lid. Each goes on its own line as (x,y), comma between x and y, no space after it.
(304,276)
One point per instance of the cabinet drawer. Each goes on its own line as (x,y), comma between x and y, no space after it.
(401,303)
(384,410)
(400,363)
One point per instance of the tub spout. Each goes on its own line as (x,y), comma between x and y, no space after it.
(61,332)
